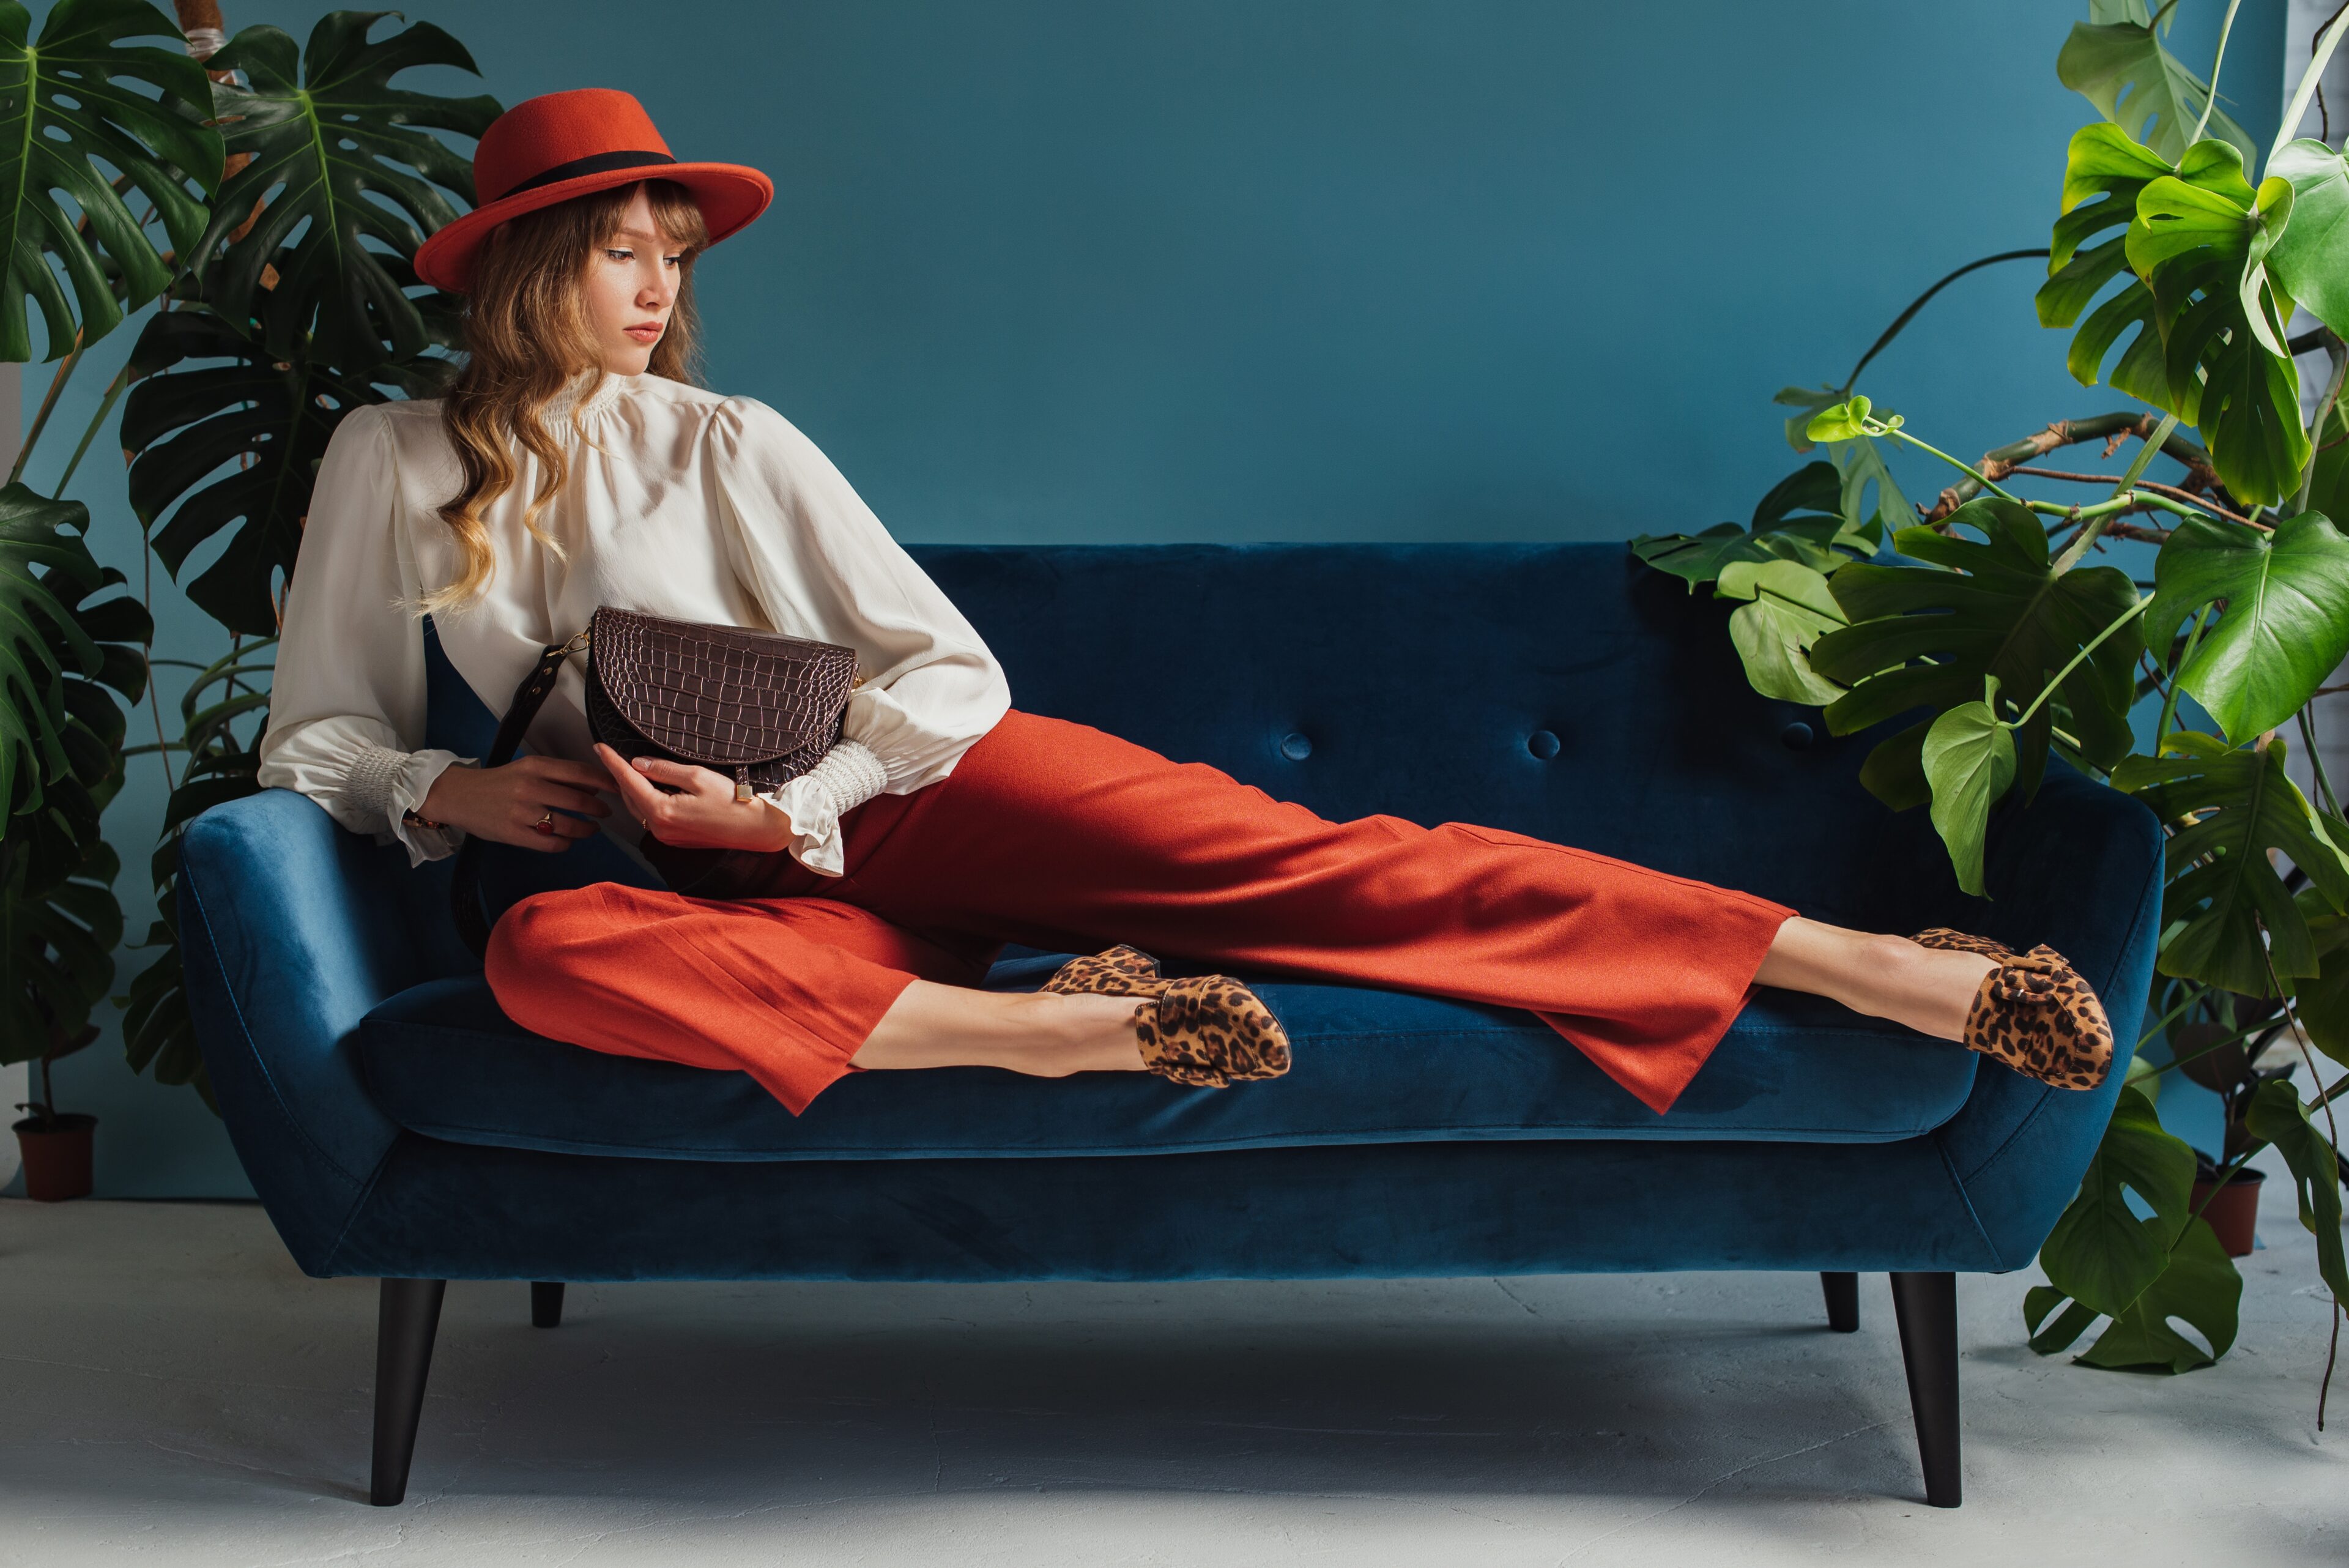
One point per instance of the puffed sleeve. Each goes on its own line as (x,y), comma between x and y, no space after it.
(346,701)
(820,564)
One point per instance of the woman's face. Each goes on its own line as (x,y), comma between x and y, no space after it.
(630,289)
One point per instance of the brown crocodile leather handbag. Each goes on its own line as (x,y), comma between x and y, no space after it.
(759,706)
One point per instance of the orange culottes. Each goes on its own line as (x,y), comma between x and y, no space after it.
(1067,839)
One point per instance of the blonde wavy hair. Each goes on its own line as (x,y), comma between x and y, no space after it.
(526,337)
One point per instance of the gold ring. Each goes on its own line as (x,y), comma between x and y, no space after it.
(545,823)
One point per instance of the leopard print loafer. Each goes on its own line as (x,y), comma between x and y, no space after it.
(1210,1033)
(1121,972)
(2034,1013)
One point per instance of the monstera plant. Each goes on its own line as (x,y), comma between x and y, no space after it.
(1993,631)
(283,193)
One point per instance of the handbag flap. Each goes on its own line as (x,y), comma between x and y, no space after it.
(720,696)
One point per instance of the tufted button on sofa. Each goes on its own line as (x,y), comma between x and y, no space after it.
(396,1124)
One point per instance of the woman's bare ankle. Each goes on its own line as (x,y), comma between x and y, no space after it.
(1081,1034)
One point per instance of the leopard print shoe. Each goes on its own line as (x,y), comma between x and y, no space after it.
(2034,1013)
(1210,1032)
(1121,972)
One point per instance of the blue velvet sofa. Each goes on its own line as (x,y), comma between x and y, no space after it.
(396,1124)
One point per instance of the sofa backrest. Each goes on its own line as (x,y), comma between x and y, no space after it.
(1560,691)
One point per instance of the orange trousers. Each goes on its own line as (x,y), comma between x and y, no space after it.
(1068,839)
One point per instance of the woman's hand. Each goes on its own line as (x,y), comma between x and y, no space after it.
(503,804)
(703,815)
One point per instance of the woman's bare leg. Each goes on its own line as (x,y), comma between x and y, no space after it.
(1049,1036)
(1927,988)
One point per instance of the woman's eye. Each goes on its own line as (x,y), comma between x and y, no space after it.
(621,254)
(673,261)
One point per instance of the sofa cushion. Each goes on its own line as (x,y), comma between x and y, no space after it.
(1372,1066)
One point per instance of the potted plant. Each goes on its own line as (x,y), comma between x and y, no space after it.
(287,300)
(55,1146)
(2004,632)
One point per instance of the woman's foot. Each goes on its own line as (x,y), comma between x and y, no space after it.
(2034,1013)
(1209,1032)
(2031,1011)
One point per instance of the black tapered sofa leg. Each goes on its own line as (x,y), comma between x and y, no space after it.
(407,1317)
(1843,1301)
(546,1303)
(1927,1307)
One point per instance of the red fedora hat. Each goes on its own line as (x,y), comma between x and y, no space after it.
(548,150)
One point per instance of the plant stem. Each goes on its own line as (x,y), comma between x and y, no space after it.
(2078,659)
(2316,762)
(2168,1018)
(2210,100)
(41,420)
(2169,699)
(2317,61)
(1971,472)
(113,394)
(2335,351)
(1905,317)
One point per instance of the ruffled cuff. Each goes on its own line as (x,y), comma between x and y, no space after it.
(396,783)
(848,776)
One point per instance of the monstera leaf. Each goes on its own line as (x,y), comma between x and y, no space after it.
(223,436)
(2277,1114)
(58,725)
(2228,809)
(2104,1260)
(1930,638)
(1969,762)
(62,104)
(2286,624)
(57,955)
(1798,521)
(2306,257)
(1790,607)
(2101,1253)
(2201,242)
(339,157)
(2121,66)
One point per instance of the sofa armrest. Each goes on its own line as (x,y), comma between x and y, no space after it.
(291,930)
(2080,869)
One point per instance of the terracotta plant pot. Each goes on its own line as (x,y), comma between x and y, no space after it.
(57,1161)
(2234,1214)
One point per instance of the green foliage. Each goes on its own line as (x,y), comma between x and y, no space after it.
(2306,257)
(2105,1261)
(339,157)
(1799,520)
(57,726)
(2278,1116)
(1930,638)
(56,952)
(2227,912)
(2122,68)
(221,765)
(230,437)
(1968,761)
(62,105)
(2285,627)
(1790,607)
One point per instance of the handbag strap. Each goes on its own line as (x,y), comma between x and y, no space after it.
(465,879)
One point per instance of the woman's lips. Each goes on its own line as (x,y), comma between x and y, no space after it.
(648,332)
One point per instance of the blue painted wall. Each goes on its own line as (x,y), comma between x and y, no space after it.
(1328,269)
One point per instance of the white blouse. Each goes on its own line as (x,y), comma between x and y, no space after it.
(679,503)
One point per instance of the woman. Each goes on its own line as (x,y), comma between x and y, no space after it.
(574,464)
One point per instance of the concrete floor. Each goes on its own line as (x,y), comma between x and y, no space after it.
(173,1392)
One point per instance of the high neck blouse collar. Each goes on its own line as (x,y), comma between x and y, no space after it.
(590,393)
